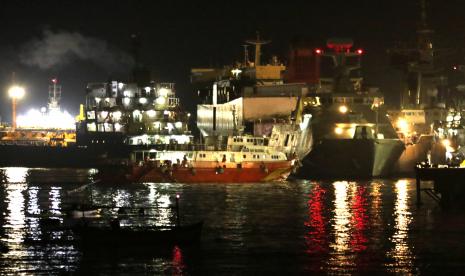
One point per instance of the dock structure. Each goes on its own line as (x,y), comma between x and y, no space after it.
(448,187)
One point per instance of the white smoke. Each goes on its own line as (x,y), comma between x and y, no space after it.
(60,48)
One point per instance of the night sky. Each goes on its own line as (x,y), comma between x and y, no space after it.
(83,41)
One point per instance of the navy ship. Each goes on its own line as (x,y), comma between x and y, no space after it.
(351,134)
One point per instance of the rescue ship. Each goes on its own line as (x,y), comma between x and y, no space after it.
(244,159)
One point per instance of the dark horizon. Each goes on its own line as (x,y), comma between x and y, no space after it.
(176,37)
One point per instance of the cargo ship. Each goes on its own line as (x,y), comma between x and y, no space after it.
(44,137)
(251,98)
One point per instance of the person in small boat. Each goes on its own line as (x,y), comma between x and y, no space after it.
(115,224)
(121,211)
(184,161)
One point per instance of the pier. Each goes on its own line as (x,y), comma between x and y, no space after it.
(448,188)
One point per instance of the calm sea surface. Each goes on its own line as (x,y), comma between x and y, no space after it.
(295,227)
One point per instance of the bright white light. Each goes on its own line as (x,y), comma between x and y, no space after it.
(163,92)
(151,113)
(126,101)
(343,109)
(147,89)
(236,72)
(117,127)
(143,100)
(338,130)
(97,100)
(169,126)
(402,124)
(127,93)
(446,143)
(136,113)
(117,115)
(54,119)
(43,109)
(449,118)
(16,92)
(160,100)
(178,124)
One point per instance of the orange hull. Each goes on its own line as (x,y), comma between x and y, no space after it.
(250,172)
(203,172)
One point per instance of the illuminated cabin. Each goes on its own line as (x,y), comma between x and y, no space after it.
(117,113)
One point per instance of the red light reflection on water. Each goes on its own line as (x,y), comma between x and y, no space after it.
(315,238)
(177,261)
(359,220)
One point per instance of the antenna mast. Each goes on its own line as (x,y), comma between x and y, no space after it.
(258,44)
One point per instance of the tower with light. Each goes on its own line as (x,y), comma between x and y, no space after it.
(15,92)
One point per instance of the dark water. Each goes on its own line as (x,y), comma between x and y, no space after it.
(296,227)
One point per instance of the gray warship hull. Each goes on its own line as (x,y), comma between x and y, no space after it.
(357,158)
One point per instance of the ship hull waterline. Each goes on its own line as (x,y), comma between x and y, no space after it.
(278,171)
(351,158)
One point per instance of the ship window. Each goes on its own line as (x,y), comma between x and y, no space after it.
(91,127)
(90,115)
(244,156)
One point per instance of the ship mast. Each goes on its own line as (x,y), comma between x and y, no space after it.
(418,63)
(258,44)
(425,50)
(54,95)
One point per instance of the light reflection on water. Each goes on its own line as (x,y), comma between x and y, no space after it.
(401,252)
(341,227)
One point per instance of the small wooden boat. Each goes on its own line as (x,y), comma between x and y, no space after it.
(90,213)
(138,236)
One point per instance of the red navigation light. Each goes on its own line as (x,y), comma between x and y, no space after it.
(54,80)
(455,67)
(359,51)
(318,51)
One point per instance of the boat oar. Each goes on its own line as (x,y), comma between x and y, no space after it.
(177,211)
(81,188)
